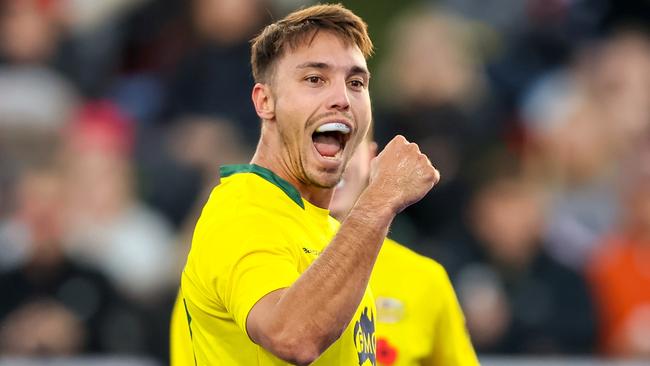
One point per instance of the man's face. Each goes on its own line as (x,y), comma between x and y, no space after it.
(322,108)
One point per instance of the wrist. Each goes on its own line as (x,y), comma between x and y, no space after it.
(373,201)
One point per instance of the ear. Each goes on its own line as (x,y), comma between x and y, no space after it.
(263,101)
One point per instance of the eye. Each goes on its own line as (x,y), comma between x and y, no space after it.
(315,80)
(357,84)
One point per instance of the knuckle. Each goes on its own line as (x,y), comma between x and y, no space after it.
(436,175)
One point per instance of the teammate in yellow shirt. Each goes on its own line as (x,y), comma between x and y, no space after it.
(419,321)
(270,278)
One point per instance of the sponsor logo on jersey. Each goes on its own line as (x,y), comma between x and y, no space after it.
(311,251)
(364,337)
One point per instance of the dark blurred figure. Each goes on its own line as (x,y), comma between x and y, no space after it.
(214,78)
(517,300)
(50,305)
(432,91)
(210,81)
(534,36)
(619,271)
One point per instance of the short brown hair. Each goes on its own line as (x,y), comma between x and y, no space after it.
(302,25)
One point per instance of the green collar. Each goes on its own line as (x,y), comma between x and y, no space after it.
(286,187)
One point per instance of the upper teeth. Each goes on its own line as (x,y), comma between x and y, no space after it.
(334,127)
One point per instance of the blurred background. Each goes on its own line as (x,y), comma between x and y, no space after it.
(115,116)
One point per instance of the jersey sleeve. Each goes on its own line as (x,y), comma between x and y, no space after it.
(247,257)
(259,270)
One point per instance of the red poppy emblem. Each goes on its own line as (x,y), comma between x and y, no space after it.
(386,353)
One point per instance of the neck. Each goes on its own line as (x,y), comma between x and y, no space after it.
(267,156)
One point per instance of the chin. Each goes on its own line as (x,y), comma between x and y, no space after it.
(326,180)
(327,184)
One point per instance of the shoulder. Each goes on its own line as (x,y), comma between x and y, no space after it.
(242,214)
(394,254)
(246,197)
(415,282)
(399,266)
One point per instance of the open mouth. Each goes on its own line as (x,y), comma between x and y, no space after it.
(330,139)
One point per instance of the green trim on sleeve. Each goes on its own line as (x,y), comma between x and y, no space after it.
(286,187)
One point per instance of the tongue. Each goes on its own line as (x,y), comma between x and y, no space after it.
(327,145)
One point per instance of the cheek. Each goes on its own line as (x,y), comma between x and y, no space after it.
(293,137)
(363,117)
(364,101)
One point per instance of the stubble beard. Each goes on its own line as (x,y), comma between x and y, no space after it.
(298,164)
(315,183)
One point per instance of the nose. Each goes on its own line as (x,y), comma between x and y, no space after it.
(339,99)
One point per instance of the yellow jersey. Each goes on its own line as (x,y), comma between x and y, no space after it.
(256,234)
(180,341)
(419,320)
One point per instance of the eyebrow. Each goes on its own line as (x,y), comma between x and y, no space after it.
(354,70)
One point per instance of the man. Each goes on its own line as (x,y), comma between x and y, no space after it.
(419,321)
(271,279)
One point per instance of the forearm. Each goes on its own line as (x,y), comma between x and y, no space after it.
(329,292)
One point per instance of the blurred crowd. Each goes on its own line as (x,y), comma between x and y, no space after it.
(115,116)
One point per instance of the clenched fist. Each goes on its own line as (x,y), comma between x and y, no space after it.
(401,175)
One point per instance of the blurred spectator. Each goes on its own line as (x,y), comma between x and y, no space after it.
(180,165)
(215,79)
(35,101)
(79,39)
(619,82)
(52,306)
(620,275)
(581,124)
(516,298)
(204,85)
(535,36)
(29,31)
(568,150)
(432,92)
(31,94)
(107,226)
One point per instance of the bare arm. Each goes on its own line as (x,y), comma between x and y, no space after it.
(298,323)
